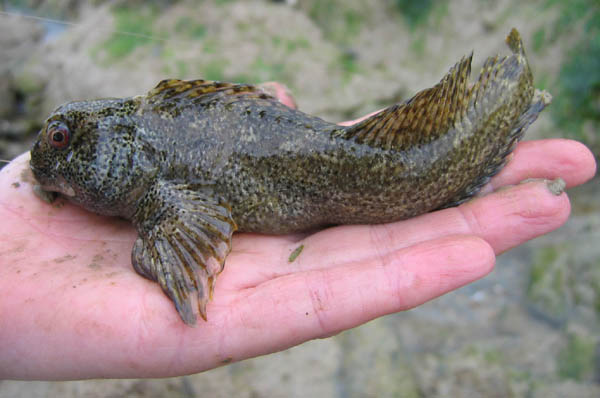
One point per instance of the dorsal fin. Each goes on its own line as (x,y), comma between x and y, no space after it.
(421,119)
(514,42)
(175,88)
(431,113)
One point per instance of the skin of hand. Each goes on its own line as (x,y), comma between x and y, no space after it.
(72,307)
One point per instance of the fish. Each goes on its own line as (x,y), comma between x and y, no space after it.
(191,162)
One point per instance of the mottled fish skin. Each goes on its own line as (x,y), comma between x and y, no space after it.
(193,161)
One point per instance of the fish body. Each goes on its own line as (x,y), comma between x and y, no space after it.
(193,161)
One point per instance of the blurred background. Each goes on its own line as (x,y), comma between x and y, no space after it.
(530,329)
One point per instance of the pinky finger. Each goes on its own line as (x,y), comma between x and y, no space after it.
(550,159)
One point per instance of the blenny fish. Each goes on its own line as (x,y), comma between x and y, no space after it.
(191,162)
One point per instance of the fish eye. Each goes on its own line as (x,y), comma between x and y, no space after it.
(58,135)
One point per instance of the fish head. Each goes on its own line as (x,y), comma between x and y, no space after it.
(87,152)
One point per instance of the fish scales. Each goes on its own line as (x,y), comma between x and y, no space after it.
(191,162)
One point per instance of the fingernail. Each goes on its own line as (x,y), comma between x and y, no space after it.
(279,91)
(556,186)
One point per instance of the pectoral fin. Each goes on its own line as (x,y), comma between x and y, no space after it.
(184,237)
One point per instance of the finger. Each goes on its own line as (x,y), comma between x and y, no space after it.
(360,119)
(15,174)
(536,159)
(275,316)
(319,303)
(552,158)
(520,207)
(504,219)
(281,92)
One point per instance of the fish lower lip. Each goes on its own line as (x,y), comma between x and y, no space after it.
(48,188)
(67,191)
(63,189)
(46,196)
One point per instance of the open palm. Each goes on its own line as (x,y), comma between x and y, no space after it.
(71,305)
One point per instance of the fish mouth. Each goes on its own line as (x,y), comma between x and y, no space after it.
(62,188)
(59,184)
(48,190)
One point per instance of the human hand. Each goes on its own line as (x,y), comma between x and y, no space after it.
(73,307)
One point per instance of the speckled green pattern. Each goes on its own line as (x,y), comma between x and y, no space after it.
(192,161)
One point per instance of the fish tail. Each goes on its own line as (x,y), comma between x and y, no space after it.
(503,104)
(540,100)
